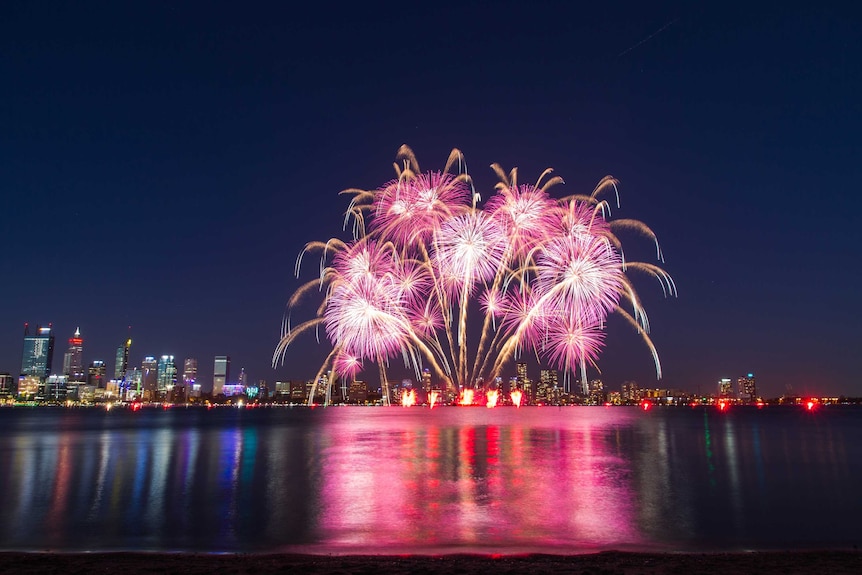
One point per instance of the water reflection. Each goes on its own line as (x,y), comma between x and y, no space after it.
(449,480)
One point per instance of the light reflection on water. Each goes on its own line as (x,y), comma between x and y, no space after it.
(394,480)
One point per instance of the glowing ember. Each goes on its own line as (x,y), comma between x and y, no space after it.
(546,274)
(432,398)
(516,395)
(491,396)
(467,397)
(408,397)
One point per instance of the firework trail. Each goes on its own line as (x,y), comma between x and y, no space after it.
(543,274)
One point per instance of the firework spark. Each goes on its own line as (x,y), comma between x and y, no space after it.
(543,275)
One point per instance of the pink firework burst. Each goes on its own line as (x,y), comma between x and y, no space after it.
(579,272)
(470,249)
(525,213)
(415,207)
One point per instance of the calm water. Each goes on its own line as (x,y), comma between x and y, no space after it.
(395,480)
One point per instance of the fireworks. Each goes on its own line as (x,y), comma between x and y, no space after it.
(542,274)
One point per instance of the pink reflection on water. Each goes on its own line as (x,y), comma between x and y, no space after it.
(506,480)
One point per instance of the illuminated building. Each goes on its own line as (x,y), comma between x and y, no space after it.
(53,390)
(521,374)
(38,352)
(73,366)
(221,373)
(725,388)
(96,374)
(597,392)
(190,372)
(122,361)
(243,377)
(28,387)
(8,389)
(747,388)
(297,391)
(133,384)
(190,378)
(149,381)
(166,376)
(358,392)
(426,380)
(630,392)
(549,384)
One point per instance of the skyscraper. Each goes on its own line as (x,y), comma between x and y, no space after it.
(190,372)
(122,359)
(725,388)
(73,365)
(149,372)
(747,388)
(38,352)
(96,375)
(221,373)
(166,376)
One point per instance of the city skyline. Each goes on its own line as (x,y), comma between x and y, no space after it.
(165,166)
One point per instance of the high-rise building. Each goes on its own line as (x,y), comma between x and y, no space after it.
(38,352)
(549,383)
(133,383)
(166,376)
(73,365)
(426,380)
(122,362)
(221,373)
(597,392)
(725,388)
(190,372)
(358,392)
(96,374)
(747,388)
(243,377)
(149,378)
(8,387)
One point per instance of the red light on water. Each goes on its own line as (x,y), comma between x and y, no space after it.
(646,405)
(809,405)
(722,406)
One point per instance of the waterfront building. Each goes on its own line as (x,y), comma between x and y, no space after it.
(190,372)
(747,388)
(426,380)
(297,391)
(725,388)
(149,378)
(166,376)
(28,387)
(8,386)
(597,392)
(221,373)
(243,377)
(96,374)
(630,392)
(53,390)
(73,365)
(122,359)
(133,384)
(358,392)
(38,352)
(549,382)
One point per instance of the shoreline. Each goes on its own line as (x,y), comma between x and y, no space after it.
(835,562)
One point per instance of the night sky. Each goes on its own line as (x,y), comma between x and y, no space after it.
(162,164)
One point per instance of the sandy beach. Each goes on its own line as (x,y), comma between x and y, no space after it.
(606,563)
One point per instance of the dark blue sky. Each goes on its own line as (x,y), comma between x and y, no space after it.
(162,165)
